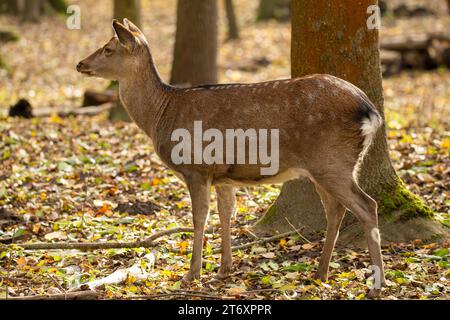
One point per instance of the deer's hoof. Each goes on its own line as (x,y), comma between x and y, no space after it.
(321,276)
(189,277)
(374,293)
(222,275)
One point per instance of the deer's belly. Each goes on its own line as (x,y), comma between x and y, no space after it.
(286,175)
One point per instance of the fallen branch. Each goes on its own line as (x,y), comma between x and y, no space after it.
(65,111)
(78,295)
(147,243)
(180,294)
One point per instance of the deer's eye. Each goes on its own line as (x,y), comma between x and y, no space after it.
(108,51)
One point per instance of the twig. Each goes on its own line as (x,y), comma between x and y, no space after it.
(57,283)
(79,295)
(180,294)
(296,230)
(65,112)
(261,241)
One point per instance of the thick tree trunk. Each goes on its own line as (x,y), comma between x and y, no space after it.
(195,53)
(233,29)
(332,37)
(130,9)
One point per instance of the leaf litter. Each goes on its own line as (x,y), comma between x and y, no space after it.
(75,179)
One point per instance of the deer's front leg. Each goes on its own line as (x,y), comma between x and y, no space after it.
(199,189)
(226,201)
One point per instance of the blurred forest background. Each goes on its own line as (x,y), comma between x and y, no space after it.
(65,178)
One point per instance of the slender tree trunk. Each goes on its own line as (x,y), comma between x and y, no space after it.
(266,10)
(31,11)
(27,9)
(233,29)
(195,53)
(9,7)
(332,37)
(130,9)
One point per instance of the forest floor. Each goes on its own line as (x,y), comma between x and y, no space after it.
(63,180)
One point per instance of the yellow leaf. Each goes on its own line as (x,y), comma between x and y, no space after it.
(183,247)
(131,280)
(55,119)
(43,196)
(283,242)
(156,182)
(36,228)
(445,144)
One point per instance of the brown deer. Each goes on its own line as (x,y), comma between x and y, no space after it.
(325,127)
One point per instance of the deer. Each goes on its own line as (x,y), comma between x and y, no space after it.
(326,127)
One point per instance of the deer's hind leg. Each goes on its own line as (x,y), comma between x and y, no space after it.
(335,212)
(345,190)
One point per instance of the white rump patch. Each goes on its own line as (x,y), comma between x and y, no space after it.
(369,128)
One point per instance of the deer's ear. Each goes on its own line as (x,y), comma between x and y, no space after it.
(131,26)
(126,37)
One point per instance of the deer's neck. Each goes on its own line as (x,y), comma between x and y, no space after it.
(145,95)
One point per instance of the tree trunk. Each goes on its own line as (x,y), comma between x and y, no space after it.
(9,7)
(342,45)
(195,53)
(233,29)
(266,10)
(130,9)
(448,6)
(22,7)
(31,11)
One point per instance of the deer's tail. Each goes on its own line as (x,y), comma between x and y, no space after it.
(370,121)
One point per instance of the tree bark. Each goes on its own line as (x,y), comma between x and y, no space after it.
(130,9)
(332,37)
(9,7)
(233,29)
(22,8)
(31,11)
(195,52)
(266,10)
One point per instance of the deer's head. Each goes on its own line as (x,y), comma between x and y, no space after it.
(125,52)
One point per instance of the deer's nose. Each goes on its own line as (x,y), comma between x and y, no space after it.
(79,66)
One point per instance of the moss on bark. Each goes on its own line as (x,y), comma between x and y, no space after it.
(400,199)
